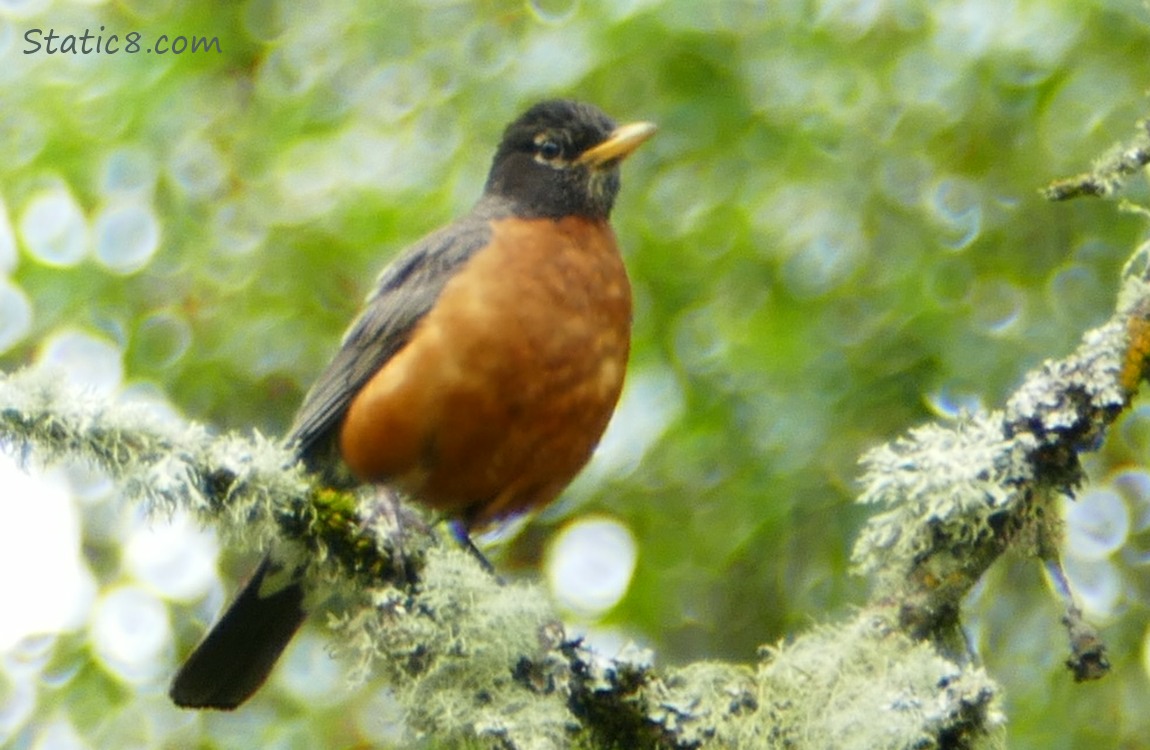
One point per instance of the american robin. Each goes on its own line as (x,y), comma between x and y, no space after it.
(480,375)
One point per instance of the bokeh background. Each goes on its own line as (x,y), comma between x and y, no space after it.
(835,236)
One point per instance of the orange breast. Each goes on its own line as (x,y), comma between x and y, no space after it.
(508,382)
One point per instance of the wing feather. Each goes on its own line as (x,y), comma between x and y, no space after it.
(405,291)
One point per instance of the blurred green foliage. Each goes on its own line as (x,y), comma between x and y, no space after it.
(836,235)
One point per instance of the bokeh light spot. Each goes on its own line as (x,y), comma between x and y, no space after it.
(904,179)
(487,49)
(175,558)
(154,400)
(651,401)
(1134,487)
(674,191)
(553,11)
(197,169)
(15,315)
(161,339)
(701,345)
(923,78)
(1097,524)
(309,176)
(58,734)
(129,631)
(553,61)
(393,92)
(19,702)
(380,719)
(965,29)
(789,428)
(129,170)
(822,242)
(310,673)
(851,17)
(1097,584)
(8,256)
(83,359)
(956,206)
(54,229)
(780,84)
(1079,113)
(40,533)
(282,75)
(825,257)
(590,563)
(996,306)
(239,227)
(1077,295)
(127,236)
(88,485)
(953,399)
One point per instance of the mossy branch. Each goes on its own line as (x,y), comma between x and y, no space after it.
(1109,172)
(477,661)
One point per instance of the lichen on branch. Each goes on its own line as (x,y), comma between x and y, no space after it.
(476,662)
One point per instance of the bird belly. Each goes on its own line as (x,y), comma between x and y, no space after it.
(507,384)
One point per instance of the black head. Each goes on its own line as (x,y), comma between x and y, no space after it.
(561,158)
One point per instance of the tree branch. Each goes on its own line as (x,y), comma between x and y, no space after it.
(1109,173)
(472,659)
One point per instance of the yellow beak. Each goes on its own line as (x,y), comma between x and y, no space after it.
(619,145)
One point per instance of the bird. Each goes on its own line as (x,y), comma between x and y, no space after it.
(478,377)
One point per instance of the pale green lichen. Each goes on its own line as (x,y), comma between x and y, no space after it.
(709,702)
(250,486)
(865,685)
(164,464)
(470,659)
(466,655)
(477,663)
(957,495)
(941,485)
(1073,400)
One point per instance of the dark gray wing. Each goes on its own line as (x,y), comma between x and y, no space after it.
(405,291)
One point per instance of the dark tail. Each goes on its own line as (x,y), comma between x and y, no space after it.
(239,652)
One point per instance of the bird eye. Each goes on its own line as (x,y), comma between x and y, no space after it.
(549,149)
